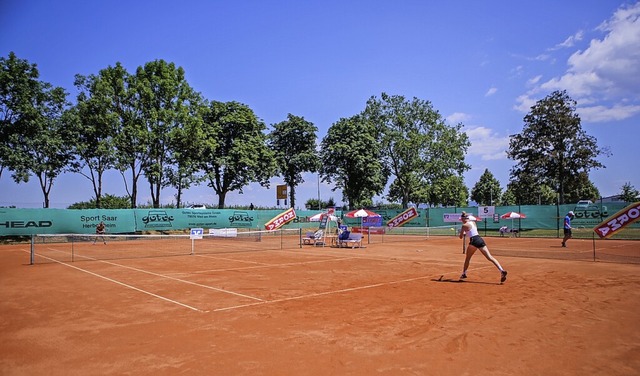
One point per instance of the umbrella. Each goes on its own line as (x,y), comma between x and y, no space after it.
(318,217)
(513,215)
(361,213)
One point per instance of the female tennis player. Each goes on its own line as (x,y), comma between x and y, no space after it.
(476,242)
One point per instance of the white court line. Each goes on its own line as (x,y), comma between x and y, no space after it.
(168,277)
(123,284)
(182,280)
(210,256)
(261,301)
(314,295)
(370,257)
(266,266)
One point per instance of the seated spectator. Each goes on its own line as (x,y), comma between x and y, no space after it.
(344,235)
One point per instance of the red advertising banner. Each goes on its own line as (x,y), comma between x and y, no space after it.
(402,218)
(281,220)
(618,221)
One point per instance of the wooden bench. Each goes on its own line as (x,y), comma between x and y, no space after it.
(353,240)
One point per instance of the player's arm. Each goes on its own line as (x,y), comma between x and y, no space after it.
(462,231)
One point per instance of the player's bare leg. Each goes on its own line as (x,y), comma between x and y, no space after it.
(487,254)
(470,251)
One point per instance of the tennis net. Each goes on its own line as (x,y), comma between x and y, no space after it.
(387,235)
(83,247)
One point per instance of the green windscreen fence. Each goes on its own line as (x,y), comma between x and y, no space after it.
(122,221)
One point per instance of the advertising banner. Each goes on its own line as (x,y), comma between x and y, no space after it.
(281,220)
(63,221)
(618,221)
(402,218)
(451,217)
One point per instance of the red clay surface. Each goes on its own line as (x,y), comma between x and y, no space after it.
(387,309)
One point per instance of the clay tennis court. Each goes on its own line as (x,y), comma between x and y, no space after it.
(393,308)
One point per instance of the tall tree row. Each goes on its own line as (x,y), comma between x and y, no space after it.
(152,123)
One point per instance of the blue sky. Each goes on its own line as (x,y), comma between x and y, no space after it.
(482,63)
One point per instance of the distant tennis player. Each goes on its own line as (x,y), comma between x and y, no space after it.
(567,228)
(476,242)
(100,230)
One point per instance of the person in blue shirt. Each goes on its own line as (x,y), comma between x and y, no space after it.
(567,228)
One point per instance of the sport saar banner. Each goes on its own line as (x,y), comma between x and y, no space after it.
(618,221)
(280,220)
(402,218)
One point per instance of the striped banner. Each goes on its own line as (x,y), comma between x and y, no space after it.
(618,221)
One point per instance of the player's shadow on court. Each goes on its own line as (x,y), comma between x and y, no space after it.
(456,280)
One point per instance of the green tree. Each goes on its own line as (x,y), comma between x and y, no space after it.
(20,90)
(350,155)
(487,190)
(508,197)
(186,142)
(94,124)
(414,140)
(526,191)
(449,191)
(108,201)
(131,136)
(234,152)
(293,143)
(163,98)
(419,193)
(581,188)
(628,193)
(553,148)
(314,204)
(35,140)
(546,195)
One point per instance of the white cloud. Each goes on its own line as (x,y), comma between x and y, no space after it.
(491,91)
(525,102)
(458,117)
(534,80)
(486,144)
(597,114)
(543,57)
(614,60)
(578,84)
(605,75)
(569,42)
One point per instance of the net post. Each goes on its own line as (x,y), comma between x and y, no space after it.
(193,243)
(300,237)
(33,250)
(72,249)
